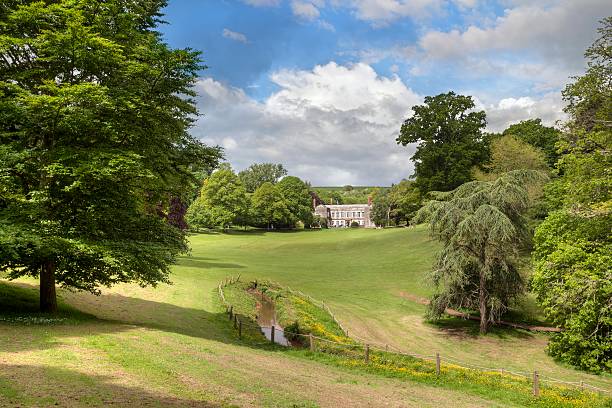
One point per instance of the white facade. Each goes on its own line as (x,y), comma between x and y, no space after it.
(344,215)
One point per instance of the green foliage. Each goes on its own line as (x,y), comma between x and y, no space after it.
(341,195)
(537,135)
(510,153)
(381,208)
(482,228)
(450,141)
(573,246)
(396,205)
(223,201)
(95,110)
(260,173)
(298,199)
(269,207)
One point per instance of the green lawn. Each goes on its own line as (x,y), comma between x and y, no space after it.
(172,345)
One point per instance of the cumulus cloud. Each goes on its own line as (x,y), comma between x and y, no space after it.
(507,111)
(233,35)
(381,12)
(305,10)
(557,33)
(332,125)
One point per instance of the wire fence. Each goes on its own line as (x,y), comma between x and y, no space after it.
(358,347)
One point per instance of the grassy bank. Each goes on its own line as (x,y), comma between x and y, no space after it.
(308,321)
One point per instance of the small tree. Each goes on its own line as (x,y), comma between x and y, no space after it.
(537,135)
(482,227)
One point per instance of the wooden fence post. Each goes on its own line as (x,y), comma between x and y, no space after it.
(312,345)
(231,312)
(536,384)
(240,329)
(272,330)
(235,322)
(437,363)
(367,353)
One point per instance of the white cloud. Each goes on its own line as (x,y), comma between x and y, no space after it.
(381,12)
(557,33)
(305,10)
(332,125)
(233,35)
(507,111)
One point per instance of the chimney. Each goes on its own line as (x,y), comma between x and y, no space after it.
(370,201)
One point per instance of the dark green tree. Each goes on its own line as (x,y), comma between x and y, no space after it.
(482,227)
(380,213)
(405,199)
(537,135)
(573,246)
(260,173)
(298,200)
(94,113)
(269,207)
(450,139)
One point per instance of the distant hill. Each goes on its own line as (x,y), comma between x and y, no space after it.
(346,194)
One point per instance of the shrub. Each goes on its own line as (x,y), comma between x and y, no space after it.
(292,333)
(354,224)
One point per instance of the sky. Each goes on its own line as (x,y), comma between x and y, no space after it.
(323,86)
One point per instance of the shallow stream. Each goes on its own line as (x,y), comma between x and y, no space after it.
(266,318)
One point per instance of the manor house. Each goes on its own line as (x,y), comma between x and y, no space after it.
(343,215)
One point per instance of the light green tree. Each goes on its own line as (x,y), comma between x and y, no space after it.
(223,201)
(537,135)
(94,114)
(482,227)
(269,207)
(510,153)
(260,173)
(298,199)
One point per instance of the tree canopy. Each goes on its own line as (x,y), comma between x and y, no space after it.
(537,135)
(269,207)
(450,139)
(298,199)
(223,201)
(260,173)
(573,246)
(482,227)
(95,110)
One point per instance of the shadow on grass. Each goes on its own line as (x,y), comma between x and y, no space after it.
(470,329)
(84,314)
(36,385)
(207,263)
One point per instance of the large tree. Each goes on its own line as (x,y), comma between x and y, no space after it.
(537,135)
(223,201)
(482,227)
(94,112)
(260,173)
(573,246)
(298,199)
(269,207)
(449,134)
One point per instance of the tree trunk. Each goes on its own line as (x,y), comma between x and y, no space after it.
(48,299)
(484,318)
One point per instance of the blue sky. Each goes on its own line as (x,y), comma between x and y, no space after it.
(323,86)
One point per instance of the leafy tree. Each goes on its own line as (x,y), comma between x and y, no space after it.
(269,207)
(573,246)
(258,174)
(405,199)
(450,141)
(94,113)
(222,202)
(298,199)
(380,212)
(537,135)
(510,153)
(482,228)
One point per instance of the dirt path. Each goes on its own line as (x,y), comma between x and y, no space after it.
(456,313)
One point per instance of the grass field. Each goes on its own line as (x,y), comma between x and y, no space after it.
(172,345)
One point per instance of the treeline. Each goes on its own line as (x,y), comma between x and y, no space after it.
(484,195)
(261,196)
